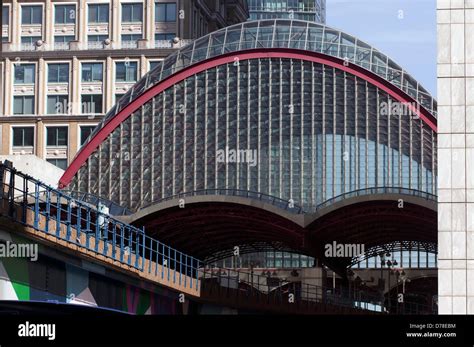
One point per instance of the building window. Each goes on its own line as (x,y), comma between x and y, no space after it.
(24,74)
(118,97)
(91,104)
(97,38)
(23,104)
(56,136)
(153,64)
(57,104)
(58,73)
(5,15)
(23,136)
(85,132)
(60,163)
(99,13)
(126,71)
(64,14)
(64,39)
(31,14)
(131,37)
(165,36)
(30,40)
(92,72)
(132,13)
(165,12)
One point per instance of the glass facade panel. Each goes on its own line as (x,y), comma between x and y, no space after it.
(64,14)
(24,105)
(56,136)
(31,14)
(165,12)
(126,71)
(132,13)
(24,73)
(92,72)
(98,13)
(23,136)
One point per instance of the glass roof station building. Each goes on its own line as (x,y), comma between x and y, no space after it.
(290,124)
(310,10)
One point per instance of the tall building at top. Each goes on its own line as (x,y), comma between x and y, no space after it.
(311,10)
(65,63)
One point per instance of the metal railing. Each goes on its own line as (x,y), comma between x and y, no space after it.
(377,191)
(58,214)
(291,206)
(114,208)
(283,204)
(274,290)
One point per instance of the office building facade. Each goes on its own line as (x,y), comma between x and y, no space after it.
(66,63)
(456,157)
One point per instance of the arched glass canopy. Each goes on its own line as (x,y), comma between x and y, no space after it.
(280,33)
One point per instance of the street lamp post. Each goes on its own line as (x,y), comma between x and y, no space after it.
(390,264)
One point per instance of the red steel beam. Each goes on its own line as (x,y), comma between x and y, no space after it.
(320,58)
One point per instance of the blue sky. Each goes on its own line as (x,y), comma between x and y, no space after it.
(405,30)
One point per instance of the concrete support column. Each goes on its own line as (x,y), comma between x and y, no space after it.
(48,31)
(5,131)
(73,142)
(143,66)
(116,19)
(82,20)
(456,157)
(40,139)
(76,86)
(40,93)
(149,25)
(8,102)
(16,23)
(109,90)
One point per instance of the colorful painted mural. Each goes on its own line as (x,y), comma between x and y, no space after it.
(48,279)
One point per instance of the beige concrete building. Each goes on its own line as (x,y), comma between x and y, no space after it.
(64,63)
(456,156)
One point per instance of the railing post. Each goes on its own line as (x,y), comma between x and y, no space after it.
(157,257)
(185,270)
(151,253)
(48,209)
(36,218)
(11,193)
(25,199)
(174,266)
(130,245)
(88,226)
(114,238)
(58,215)
(97,231)
(144,249)
(180,266)
(78,221)
(169,261)
(197,274)
(137,247)
(163,263)
(122,241)
(68,232)
(191,275)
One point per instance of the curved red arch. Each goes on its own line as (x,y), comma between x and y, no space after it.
(338,63)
